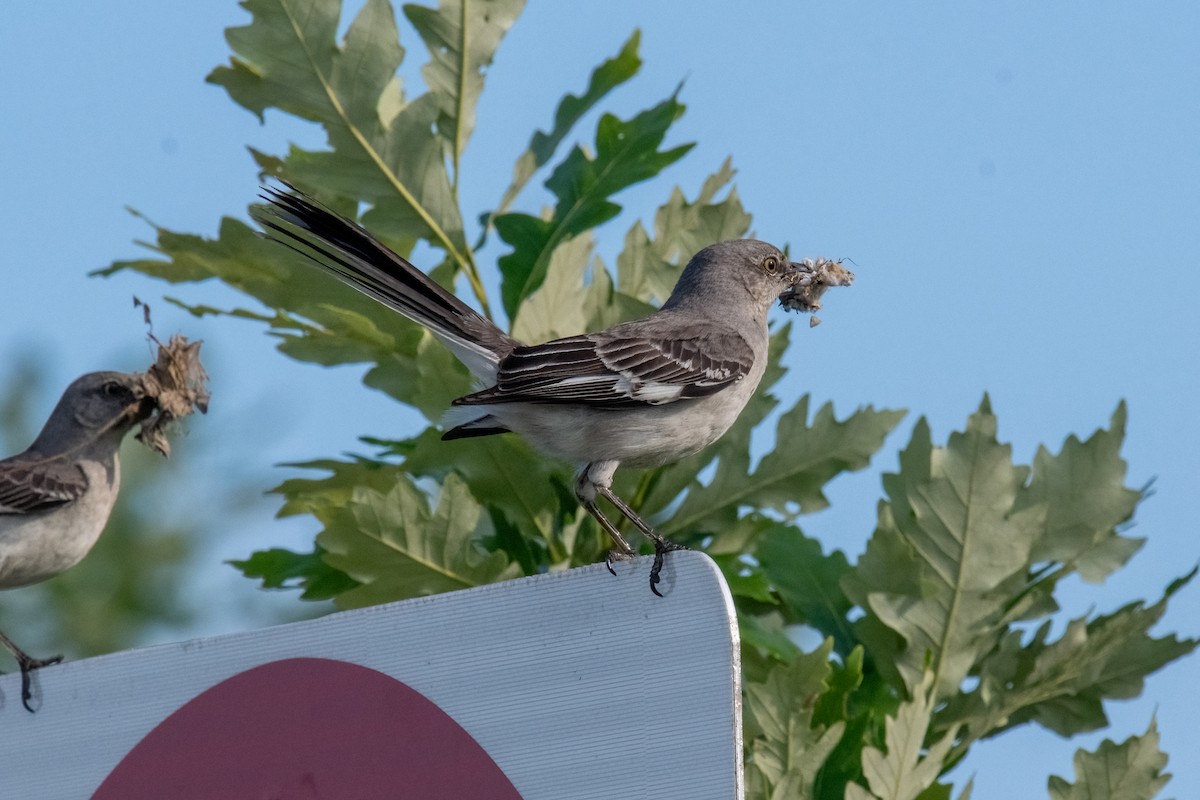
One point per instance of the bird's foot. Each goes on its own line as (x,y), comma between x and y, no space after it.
(27,665)
(661,548)
(615,555)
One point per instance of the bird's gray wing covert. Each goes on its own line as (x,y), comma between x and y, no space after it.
(28,485)
(626,366)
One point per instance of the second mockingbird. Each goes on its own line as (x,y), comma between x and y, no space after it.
(643,393)
(56,497)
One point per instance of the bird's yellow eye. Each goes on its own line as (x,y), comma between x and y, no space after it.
(771,265)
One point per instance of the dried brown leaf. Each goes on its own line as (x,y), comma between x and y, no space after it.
(178,385)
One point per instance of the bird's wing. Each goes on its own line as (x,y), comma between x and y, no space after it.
(28,485)
(628,365)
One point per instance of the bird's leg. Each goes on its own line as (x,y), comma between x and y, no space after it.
(622,550)
(585,491)
(27,665)
(662,546)
(594,480)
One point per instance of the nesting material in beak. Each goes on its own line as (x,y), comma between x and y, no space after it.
(174,386)
(815,276)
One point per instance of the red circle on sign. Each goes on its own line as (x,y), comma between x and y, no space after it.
(304,729)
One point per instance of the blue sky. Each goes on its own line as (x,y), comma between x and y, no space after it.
(1018,184)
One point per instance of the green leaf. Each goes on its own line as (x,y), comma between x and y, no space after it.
(785,750)
(1131,770)
(520,547)
(888,568)
(462,37)
(808,582)
(606,77)
(908,769)
(1062,684)
(744,579)
(626,153)
(383,150)
(740,537)
(805,458)
(426,376)
(284,569)
(501,471)
(953,507)
(1085,498)
(765,643)
(322,496)
(844,679)
(649,268)
(397,547)
(574,299)
(267,72)
(556,308)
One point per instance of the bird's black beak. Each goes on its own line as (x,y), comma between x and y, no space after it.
(797,270)
(141,403)
(144,407)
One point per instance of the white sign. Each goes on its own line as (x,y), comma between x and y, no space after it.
(572,685)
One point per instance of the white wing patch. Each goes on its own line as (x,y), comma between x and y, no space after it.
(657,393)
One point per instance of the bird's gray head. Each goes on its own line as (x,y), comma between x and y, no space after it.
(95,412)
(739,273)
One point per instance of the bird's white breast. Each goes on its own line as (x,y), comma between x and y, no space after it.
(38,546)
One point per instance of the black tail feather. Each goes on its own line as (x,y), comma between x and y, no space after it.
(344,248)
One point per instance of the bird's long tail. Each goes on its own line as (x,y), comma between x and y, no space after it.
(345,249)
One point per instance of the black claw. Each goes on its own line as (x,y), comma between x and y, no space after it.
(655,570)
(661,548)
(26,692)
(27,668)
(608,564)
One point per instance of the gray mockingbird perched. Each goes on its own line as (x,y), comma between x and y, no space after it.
(55,498)
(643,393)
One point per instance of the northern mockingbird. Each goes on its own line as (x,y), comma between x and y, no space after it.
(643,393)
(55,497)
